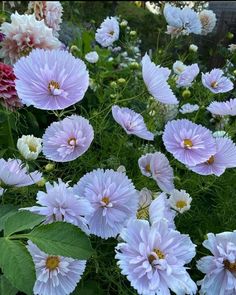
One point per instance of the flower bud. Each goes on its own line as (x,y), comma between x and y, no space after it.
(186,93)
(50,167)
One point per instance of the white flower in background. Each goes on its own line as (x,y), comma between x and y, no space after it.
(208,21)
(121,169)
(188,108)
(179,67)
(92,57)
(29,146)
(232,48)
(220,133)
(108,32)
(53,16)
(180,200)
(124,23)
(1,191)
(193,47)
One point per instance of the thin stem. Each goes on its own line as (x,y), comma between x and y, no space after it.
(17,237)
(11,141)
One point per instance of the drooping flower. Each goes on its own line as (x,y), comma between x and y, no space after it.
(53,16)
(220,266)
(92,57)
(232,48)
(216,82)
(145,199)
(180,200)
(189,108)
(113,198)
(179,67)
(189,143)
(186,78)
(155,79)
(131,122)
(157,166)
(153,258)
(208,21)
(181,21)
(55,275)
(223,108)
(8,94)
(68,139)
(193,47)
(51,80)
(23,34)
(14,173)
(60,203)
(160,210)
(29,146)
(108,32)
(225,157)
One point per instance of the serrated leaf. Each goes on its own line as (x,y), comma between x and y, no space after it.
(5,212)
(17,265)
(20,221)
(6,287)
(62,238)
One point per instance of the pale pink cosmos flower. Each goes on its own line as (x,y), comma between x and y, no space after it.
(186,77)
(225,157)
(108,32)
(155,79)
(68,139)
(223,108)
(131,122)
(53,16)
(216,82)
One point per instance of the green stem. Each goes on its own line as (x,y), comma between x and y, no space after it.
(11,141)
(17,237)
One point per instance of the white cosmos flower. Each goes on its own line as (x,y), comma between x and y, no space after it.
(180,200)
(29,146)
(188,108)
(208,21)
(193,47)
(92,57)
(108,32)
(179,67)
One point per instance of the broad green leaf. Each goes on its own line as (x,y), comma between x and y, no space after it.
(6,287)
(62,238)
(20,221)
(17,265)
(5,212)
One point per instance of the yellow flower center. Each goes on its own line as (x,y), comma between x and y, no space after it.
(188,143)
(53,84)
(230,266)
(52,262)
(159,254)
(148,168)
(32,147)
(111,33)
(143,213)
(26,51)
(181,204)
(71,141)
(214,84)
(211,160)
(106,200)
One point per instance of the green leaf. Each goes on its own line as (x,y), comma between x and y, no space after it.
(20,221)
(5,212)
(17,265)
(62,238)
(6,287)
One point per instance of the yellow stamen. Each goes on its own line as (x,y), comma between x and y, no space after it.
(111,33)
(188,143)
(231,266)
(26,51)
(106,200)
(148,168)
(71,141)
(181,204)
(53,84)
(143,213)
(52,262)
(214,84)
(32,147)
(211,160)
(159,254)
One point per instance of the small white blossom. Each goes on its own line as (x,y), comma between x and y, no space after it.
(178,67)
(92,57)
(232,48)
(121,169)
(208,21)
(193,47)
(188,108)
(29,146)
(180,200)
